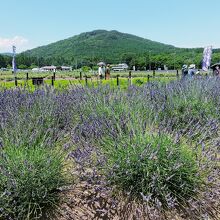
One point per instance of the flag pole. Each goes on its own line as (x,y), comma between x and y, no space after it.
(14,64)
(210,61)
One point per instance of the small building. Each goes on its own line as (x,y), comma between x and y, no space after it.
(48,68)
(120,67)
(35,69)
(64,68)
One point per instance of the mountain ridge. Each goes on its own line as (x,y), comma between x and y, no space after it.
(89,48)
(101,44)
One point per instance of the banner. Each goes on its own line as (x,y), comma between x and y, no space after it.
(207,55)
(13,59)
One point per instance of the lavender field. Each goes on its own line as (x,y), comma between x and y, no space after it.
(149,152)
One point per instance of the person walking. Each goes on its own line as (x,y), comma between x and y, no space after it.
(101,71)
(107,72)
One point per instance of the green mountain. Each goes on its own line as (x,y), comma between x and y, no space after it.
(88,48)
(100,44)
(7,54)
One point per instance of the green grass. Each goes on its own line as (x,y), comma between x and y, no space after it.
(91,82)
(7,75)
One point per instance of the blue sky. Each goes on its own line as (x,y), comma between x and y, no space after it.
(182,23)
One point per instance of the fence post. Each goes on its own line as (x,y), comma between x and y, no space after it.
(153,73)
(27,76)
(177,73)
(117,80)
(80,75)
(54,75)
(52,81)
(86,79)
(129,78)
(148,78)
(16,81)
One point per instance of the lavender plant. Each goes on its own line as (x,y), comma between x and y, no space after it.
(30,162)
(164,173)
(29,181)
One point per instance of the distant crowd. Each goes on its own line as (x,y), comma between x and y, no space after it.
(191,71)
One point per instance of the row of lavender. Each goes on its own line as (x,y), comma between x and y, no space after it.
(157,145)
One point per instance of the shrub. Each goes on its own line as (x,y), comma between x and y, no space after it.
(29,180)
(154,167)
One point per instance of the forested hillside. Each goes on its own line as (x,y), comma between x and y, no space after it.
(88,48)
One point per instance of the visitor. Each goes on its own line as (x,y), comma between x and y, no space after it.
(192,70)
(107,72)
(184,71)
(101,71)
(216,71)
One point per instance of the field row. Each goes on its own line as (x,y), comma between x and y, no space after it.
(6,75)
(65,83)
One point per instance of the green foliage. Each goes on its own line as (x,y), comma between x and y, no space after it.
(2,62)
(22,66)
(86,69)
(9,66)
(33,66)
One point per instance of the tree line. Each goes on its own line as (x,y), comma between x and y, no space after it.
(142,61)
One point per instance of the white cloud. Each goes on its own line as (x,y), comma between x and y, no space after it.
(6,43)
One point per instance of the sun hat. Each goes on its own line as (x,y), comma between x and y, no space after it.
(192,66)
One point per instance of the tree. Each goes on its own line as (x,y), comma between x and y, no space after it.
(22,66)
(86,69)
(2,61)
